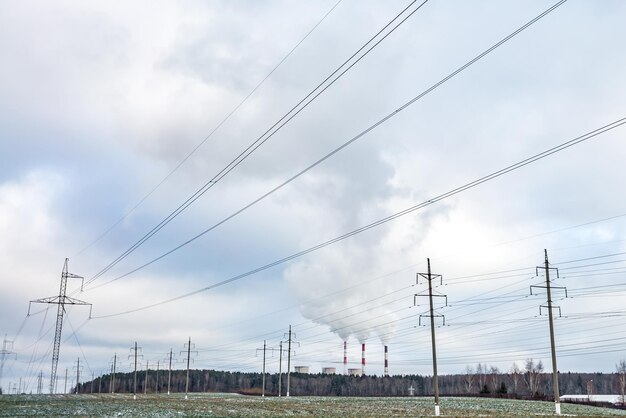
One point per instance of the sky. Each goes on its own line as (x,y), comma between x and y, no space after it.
(113,114)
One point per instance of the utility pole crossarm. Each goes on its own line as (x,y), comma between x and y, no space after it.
(549,307)
(546,287)
(443,318)
(417,295)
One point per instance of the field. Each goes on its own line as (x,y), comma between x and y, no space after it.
(229,405)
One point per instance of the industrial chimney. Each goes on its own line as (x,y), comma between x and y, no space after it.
(363,359)
(345,357)
(386,363)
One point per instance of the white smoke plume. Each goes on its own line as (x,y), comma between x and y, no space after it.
(357,289)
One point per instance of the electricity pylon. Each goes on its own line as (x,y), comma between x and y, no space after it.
(145,381)
(78,369)
(135,348)
(430,277)
(112,379)
(264,349)
(61,301)
(3,355)
(549,306)
(169,372)
(280,368)
(188,358)
(40,383)
(290,335)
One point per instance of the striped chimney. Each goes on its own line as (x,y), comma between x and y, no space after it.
(363,359)
(345,357)
(386,362)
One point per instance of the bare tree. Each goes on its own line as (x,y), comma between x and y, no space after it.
(515,376)
(469,379)
(533,371)
(494,372)
(481,373)
(621,379)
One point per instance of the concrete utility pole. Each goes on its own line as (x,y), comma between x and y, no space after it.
(65,388)
(4,354)
(289,358)
(555,371)
(188,344)
(169,374)
(264,349)
(135,348)
(112,380)
(60,301)
(280,369)
(93,376)
(430,277)
(145,381)
(157,377)
(77,374)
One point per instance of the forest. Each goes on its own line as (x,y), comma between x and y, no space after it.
(531,382)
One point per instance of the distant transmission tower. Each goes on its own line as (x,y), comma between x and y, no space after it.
(430,277)
(61,301)
(549,306)
(3,355)
(40,383)
(78,369)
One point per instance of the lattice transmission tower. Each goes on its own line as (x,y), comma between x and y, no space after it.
(61,300)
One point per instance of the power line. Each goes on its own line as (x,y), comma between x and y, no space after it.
(269,133)
(406,211)
(215,129)
(350,141)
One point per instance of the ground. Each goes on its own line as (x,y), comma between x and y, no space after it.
(230,405)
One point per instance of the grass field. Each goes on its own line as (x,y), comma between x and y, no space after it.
(229,405)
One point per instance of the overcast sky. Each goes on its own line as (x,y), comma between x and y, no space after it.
(99,101)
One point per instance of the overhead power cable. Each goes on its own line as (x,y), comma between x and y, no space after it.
(453,192)
(344,145)
(206,138)
(372,43)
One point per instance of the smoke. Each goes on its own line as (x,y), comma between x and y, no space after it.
(347,286)
(357,289)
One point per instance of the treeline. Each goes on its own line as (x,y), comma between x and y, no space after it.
(251,383)
(520,385)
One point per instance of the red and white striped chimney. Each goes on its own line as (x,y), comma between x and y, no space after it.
(386,363)
(363,359)
(345,357)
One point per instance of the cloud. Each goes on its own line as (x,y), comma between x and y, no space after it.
(98,102)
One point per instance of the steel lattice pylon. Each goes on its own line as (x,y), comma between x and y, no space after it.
(61,301)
